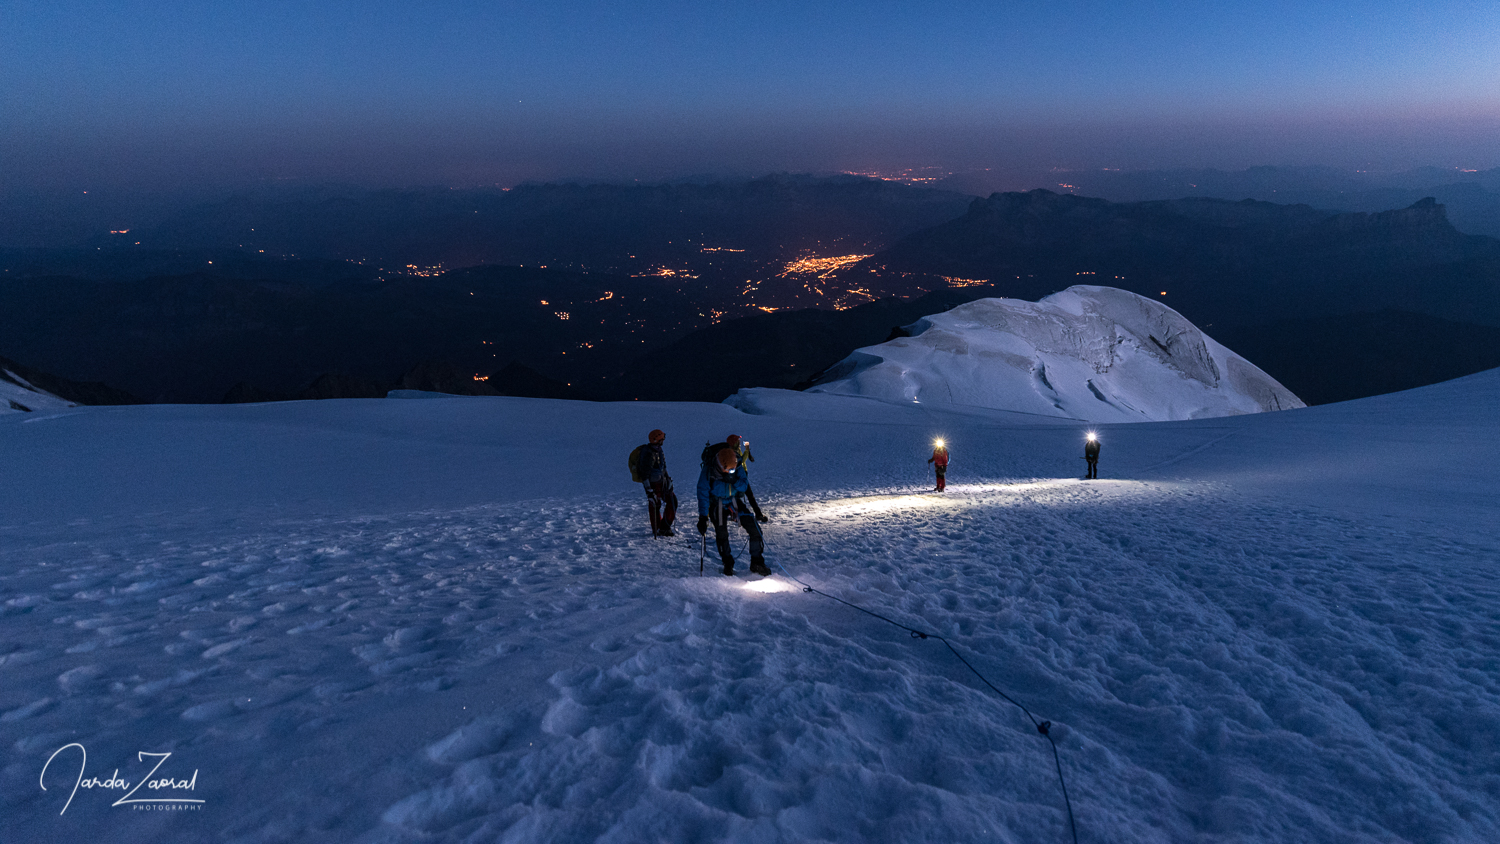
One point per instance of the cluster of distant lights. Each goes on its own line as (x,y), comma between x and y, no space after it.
(909,175)
(963,282)
(821,267)
(666,272)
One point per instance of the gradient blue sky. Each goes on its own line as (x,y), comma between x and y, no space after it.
(141,94)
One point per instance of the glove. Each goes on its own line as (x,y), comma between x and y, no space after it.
(702,525)
(762,517)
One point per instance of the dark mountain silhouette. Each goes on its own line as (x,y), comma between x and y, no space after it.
(112,262)
(1350,356)
(247,393)
(603,227)
(1471,197)
(1219,262)
(710,237)
(518,379)
(337,385)
(78,392)
(443,377)
(1335,306)
(190,338)
(1255,274)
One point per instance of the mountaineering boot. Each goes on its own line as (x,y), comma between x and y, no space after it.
(665,531)
(729,566)
(758,566)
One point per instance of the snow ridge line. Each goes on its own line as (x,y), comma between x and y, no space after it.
(1043,727)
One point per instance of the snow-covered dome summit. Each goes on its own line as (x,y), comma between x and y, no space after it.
(1095,353)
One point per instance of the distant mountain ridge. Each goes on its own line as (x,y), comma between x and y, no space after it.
(267,326)
(194,337)
(1312,296)
(1217,261)
(25,389)
(710,237)
(1471,196)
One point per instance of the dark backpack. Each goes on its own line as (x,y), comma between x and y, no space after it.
(711,461)
(635,467)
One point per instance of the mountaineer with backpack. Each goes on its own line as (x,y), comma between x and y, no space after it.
(742,450)
(722,486)
(648,467)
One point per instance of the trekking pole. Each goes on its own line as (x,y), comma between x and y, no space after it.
(701,552)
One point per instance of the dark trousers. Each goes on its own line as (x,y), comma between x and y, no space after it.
(942,477)
(1093,467)
(721,515)
(750,496)
(661,504)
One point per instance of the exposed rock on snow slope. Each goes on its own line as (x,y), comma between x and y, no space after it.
(17,395)
(1094,353)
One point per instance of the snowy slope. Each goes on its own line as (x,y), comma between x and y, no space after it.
(1092,353)
(445,621)
(17,395)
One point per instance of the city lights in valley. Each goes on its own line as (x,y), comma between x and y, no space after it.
(821,267)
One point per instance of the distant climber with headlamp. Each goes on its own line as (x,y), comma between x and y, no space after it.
(1091,454)
(939,460)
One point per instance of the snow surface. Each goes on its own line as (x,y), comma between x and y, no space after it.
(1093,353)
(445,620)
(17,395)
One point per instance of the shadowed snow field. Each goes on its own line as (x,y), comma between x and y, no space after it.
(445,620)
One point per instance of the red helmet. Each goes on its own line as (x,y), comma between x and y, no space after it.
(733,440)
(656,436)
(728,460)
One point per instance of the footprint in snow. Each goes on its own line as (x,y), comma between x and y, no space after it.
(36,707)
(211,711)
(81,679)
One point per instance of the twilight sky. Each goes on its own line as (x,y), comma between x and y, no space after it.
(163,94)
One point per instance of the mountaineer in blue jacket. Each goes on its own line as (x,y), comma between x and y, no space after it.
(722,489)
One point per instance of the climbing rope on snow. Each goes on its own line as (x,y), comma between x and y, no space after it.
(1042,727)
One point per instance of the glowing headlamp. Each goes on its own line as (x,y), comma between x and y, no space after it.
(938,443)
(1092,436)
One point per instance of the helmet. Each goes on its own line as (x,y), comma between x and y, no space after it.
(656,436)
(733,440)
(728,460)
